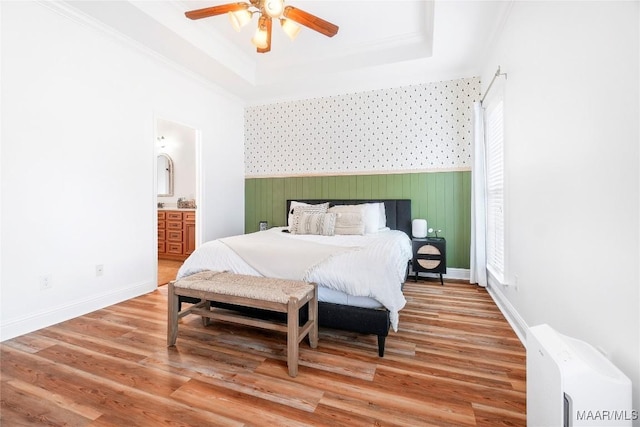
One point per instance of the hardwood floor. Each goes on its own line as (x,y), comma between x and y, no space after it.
(167,270)
(454,362)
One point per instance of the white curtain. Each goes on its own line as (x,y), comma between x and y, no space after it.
(478,272)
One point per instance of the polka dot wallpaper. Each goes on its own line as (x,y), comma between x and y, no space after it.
(414,128)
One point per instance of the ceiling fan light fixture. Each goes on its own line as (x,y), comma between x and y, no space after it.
(259,39)
(239,18)
(273,8)
(291,18)
(290,28)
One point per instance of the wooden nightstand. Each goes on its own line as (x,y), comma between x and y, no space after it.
(429,256)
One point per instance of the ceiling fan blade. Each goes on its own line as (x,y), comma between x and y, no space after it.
(267,23)
(310,21)
(215,10)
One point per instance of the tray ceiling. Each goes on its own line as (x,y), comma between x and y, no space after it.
(405,40)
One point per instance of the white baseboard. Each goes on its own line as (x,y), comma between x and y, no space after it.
(51,315)
(452,273)
(516,321)
(458,273)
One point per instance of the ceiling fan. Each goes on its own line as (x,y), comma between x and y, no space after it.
(241,13)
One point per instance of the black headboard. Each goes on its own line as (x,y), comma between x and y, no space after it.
(398,210)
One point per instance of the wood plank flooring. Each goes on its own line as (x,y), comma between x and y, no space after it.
(454,362)
(167,270)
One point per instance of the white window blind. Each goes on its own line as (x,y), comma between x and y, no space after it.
(494,129)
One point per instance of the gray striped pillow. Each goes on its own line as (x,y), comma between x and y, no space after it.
(299,206)
(314,223)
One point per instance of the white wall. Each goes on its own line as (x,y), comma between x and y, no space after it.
(572,160)
(78,109)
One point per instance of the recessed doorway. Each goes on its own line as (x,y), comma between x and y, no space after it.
(177,195)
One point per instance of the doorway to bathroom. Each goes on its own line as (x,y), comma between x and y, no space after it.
(177,190)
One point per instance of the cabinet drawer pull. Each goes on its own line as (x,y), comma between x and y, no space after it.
(175,236)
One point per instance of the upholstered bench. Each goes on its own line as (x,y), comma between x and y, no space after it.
(279,295)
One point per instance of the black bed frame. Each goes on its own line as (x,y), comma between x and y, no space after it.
(356,319)
(344,317)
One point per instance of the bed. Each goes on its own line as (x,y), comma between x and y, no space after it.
(360,283)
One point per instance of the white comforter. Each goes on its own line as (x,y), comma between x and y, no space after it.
(374,266)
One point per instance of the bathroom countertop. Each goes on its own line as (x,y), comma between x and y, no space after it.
(177,209)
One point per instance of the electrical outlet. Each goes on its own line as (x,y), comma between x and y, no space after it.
(99,270)
(45,282)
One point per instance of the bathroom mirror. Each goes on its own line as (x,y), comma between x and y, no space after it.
(165,175)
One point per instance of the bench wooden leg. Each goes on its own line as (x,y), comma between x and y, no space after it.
(292,337)
(206,321)
(313,316)
(172,316)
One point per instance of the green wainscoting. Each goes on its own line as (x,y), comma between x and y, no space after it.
(443,198)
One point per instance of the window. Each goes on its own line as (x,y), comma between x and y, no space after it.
(494,130)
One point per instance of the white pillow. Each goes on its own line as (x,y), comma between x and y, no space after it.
(372,217)
(382,216)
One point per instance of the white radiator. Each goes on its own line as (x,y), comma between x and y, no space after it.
(570,383)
